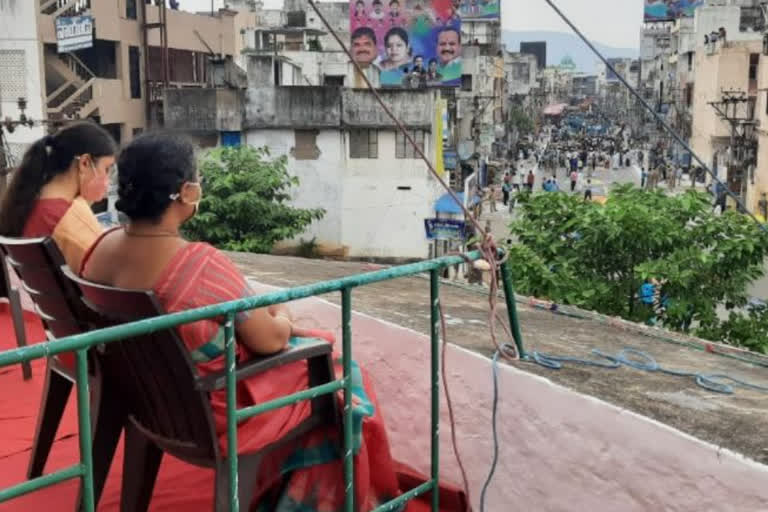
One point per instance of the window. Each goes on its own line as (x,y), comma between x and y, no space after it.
(130,9)
(134,71)
(689,95)
(466,83)
(333,80)
(305,145)
(754,62)
(521,72)
(364,144)
(403,148)
(690,62)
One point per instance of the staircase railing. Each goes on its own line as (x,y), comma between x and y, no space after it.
(81,343)
(76,100)
(77,66)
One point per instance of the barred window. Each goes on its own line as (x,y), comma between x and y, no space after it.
(403,148)
(364,144)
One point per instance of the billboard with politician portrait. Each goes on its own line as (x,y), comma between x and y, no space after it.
(666,10)
(485,9)
(414,43)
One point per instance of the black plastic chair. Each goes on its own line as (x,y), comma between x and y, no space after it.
(38,263)
(11,293)
(168,404)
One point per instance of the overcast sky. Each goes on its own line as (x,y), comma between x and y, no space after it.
(611,22)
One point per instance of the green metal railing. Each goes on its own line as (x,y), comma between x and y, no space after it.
(82,342)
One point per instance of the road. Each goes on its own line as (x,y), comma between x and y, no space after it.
(602,179)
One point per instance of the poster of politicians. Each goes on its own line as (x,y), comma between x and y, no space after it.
(666,10)
(414,43)
(485,9)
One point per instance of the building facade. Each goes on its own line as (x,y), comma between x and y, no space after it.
(137,49)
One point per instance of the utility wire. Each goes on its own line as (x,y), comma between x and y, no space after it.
(655,115)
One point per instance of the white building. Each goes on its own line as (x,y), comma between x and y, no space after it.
(21,64)
(346,152)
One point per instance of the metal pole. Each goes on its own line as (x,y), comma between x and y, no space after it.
(229,347)
(349,462)
(434,306)
(84,427)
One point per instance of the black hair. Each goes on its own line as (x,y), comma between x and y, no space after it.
(450,29)
(399,32)
(44,160)
(150,170)
(364,31)
(432,61)
(394,2)
(419,57)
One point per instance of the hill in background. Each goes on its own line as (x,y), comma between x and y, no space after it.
(560,44)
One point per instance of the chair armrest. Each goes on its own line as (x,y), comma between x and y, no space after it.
(259,365)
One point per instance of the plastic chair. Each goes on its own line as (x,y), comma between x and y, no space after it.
(168,403)
(10,292)
(38,262)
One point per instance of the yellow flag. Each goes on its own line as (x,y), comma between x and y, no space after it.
(440,106)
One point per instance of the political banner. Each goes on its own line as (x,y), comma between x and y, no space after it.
(414,43)
(667,10)
(74,33)
(484,9)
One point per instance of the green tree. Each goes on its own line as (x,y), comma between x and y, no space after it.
(518,120)
(597,256)
(245,204)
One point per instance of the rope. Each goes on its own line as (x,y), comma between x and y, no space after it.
(630,357)
(639,360)
(487,247)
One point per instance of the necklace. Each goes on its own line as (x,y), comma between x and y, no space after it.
(159,234)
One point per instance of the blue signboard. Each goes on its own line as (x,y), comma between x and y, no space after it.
(445,229)
(450,159)
(74,33)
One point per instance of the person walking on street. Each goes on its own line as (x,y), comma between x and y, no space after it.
(506,188)
(517,181)
(531,180)
(643,177)
(492,197)
(588,191)
(574,179)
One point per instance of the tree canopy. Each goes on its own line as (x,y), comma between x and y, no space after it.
(598,256)
(246,201)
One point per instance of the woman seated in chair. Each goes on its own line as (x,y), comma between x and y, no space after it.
(51,192)
(159,190)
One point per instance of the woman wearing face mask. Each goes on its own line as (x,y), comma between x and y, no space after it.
(159,190)
(50,193)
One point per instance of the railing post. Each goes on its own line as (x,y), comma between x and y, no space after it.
(231,361)
(509,296)
(434,301)
(346,337)
(84,428)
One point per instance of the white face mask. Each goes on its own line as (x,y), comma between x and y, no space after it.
(196,203)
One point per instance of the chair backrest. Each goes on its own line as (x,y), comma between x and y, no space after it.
(153,374)
(38,262)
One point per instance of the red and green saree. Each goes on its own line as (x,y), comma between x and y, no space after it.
(306,476)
